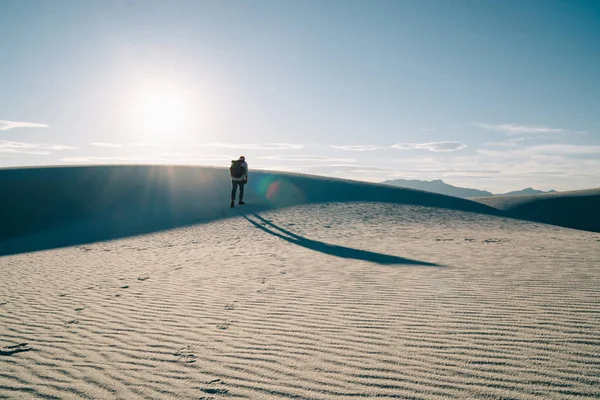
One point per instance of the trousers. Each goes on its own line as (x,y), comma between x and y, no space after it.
(234,187)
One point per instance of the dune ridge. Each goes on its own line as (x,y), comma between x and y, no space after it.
(577,209)
(92,203)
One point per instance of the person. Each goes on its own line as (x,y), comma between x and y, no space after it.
(238,172)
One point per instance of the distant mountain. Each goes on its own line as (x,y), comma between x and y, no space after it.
(526,191)
(439,186)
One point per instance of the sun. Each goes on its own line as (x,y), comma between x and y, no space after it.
(161,113)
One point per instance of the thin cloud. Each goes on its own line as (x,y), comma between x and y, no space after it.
(167,158)
(257,146)
(105,144)
(509,143)
(514,129)
(13,151)
(543,150)
(85,160)
(6,125)
(432,146)
(144,144)
(308,158)
(358,148)
(558,149)
(198,156)
(30,148)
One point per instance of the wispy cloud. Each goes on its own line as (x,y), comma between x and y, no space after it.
(256,146)
(85,160)
(509,143)
(308,158)
(544,150)
(427,128)
(106,144)
(198,156)
(144,144)
(165,158)
(358,148)
(432,146)
(559,149)
(14,151)
(30,148)
(6,125)
(514,129)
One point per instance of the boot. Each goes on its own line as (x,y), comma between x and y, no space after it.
(241,202)
(232,204)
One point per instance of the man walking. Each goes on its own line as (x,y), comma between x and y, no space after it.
(239,177)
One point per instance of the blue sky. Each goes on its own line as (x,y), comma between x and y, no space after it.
(497,95)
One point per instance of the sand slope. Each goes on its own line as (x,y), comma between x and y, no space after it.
(281,304)
(95,203)
(317,289)
(576,209)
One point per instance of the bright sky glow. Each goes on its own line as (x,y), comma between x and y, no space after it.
(160,112)
(491,95)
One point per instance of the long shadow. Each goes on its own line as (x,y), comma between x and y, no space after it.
(334,250)
(47,208)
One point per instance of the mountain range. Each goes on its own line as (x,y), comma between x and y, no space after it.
(439,186)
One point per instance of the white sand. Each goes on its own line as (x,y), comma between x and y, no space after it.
(226,309)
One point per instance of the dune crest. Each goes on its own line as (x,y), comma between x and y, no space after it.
(44,208)
(577,209)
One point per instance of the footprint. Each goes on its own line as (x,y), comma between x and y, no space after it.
(125,287)
(62,295)
(230,307)
(80,309)
(214,391)
(469,240)
(267,289)
(72,322)
(494,240)
(185,355)
(143,278)
(224,326)
(3,303)
(17,348)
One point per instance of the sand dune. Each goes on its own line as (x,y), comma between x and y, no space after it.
(576,209)
(97,203)
(329,289)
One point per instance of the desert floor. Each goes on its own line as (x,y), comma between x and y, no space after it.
(309,302)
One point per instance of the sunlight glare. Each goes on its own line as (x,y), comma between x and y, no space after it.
(161,113)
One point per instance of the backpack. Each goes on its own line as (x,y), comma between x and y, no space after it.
(236,170)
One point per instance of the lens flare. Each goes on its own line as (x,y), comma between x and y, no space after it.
(278,190)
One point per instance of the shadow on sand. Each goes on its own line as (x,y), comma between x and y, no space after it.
(330,249)
(577,209)
(52,207)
